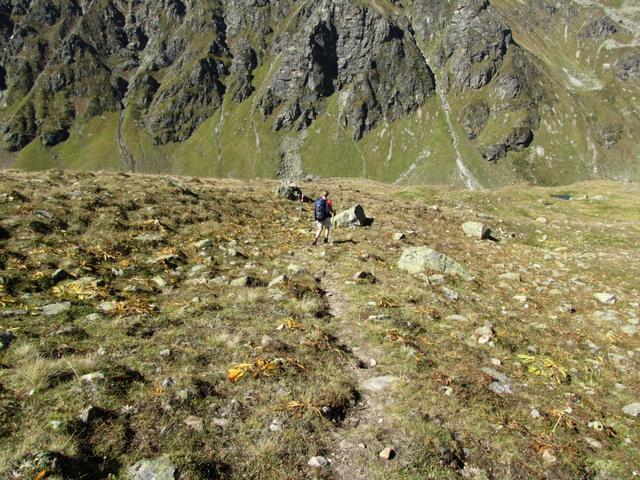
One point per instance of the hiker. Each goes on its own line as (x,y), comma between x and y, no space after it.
(323,211)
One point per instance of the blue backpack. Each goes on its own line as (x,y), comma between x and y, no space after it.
(321,210)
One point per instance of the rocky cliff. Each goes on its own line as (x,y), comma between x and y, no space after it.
(471,92)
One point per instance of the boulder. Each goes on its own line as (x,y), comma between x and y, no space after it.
(476,230)
(418,259)
(158,469)
(352,218)
(289,191)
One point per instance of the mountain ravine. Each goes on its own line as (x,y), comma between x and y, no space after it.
(475,93)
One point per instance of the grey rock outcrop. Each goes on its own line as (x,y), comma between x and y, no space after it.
(418,259)
(353,217)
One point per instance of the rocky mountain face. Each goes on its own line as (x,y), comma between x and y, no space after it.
(471,92)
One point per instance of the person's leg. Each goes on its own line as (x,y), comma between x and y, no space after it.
(318,232)
(328,228)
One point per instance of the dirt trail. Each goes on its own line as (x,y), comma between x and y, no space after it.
(364,432)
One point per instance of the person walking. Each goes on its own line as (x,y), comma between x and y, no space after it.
(323,211)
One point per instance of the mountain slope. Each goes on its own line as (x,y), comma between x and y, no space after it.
(471,92)
(195,320)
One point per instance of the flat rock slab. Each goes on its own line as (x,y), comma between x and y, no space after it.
(606,298)
(159,469)
(419,259)
(378,384)
(55,308)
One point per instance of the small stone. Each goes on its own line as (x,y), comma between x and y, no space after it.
(246,281)
(165,353)
(496,362)
(388,453)
(542,220)
(593,443)
(282,279)
(511,277)
(451,295)
(380,317)
(266,340)
(596,425)
(399,236)
(168,382)
(220,422)
(294,269)
(55,308)
(373,362)
(195,423)
(276,425)
(149,238)
(198,271)
(92,377)
(92,317)
(567,308)
(102,351)
(633,409)
(55,424)
(605,298)
(158,469)
(203,244)
(630,329)
(159,281)
(548,457)
(521,298)
(484,334)
(457,318)
(535,413)
(107,307)
(318,462)
(377,384)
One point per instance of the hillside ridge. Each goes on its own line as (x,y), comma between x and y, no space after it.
(473,93)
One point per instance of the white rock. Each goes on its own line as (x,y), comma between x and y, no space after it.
(388,453)
(633,409)
(92,377)
(318,462)
(606,298)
